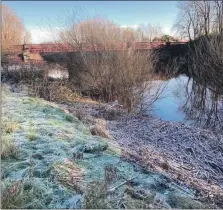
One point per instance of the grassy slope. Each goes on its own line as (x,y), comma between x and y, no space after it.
(39,141)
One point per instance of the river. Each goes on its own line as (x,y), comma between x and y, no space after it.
(184,100)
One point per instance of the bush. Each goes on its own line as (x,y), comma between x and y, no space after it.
(122,76)
(105,67)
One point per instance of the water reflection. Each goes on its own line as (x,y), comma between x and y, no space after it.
(186,100)
(203,106)
(57,73)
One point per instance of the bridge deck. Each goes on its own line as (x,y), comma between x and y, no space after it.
(39,48)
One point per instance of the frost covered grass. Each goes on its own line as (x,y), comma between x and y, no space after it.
(58,161)
(21,194)
(96,196)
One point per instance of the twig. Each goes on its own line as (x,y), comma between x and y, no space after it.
(116,187)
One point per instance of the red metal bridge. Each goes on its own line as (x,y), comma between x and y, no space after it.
(34,49)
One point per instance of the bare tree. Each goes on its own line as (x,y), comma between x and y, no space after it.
(12,27)
(198,18)
(207,61)
(218,16)
(102,64)
(28,37)
(149,31)
(129,35)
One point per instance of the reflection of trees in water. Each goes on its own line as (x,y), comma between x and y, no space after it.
(204,106)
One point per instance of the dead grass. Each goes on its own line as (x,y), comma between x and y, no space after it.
(99,130)
(80,114)
(9,149)
(9,126)
(69,174)
(159,162)
(32,136)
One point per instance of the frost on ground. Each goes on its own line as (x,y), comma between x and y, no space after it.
(51,160)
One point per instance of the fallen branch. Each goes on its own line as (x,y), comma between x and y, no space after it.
(123,183)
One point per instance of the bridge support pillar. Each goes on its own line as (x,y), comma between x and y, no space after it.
(25,53)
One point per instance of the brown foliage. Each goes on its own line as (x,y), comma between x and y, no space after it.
(12,27)
(110,75)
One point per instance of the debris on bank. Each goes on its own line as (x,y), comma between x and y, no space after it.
(187,154)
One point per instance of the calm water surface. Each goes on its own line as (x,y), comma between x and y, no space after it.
(186,101)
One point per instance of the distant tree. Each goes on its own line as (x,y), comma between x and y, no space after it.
(156,39)
(165,38)
(149,32)
(129,35)
(13,30)
(168,38)
(28,37)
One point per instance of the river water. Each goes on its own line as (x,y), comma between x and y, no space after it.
(186,101)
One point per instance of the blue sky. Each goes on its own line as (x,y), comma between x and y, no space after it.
(36,14)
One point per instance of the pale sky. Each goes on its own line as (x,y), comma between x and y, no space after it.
(36,15)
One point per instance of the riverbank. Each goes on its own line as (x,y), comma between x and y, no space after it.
(189,155)
(59,153)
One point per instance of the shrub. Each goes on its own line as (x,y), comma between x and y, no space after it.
(105,67)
